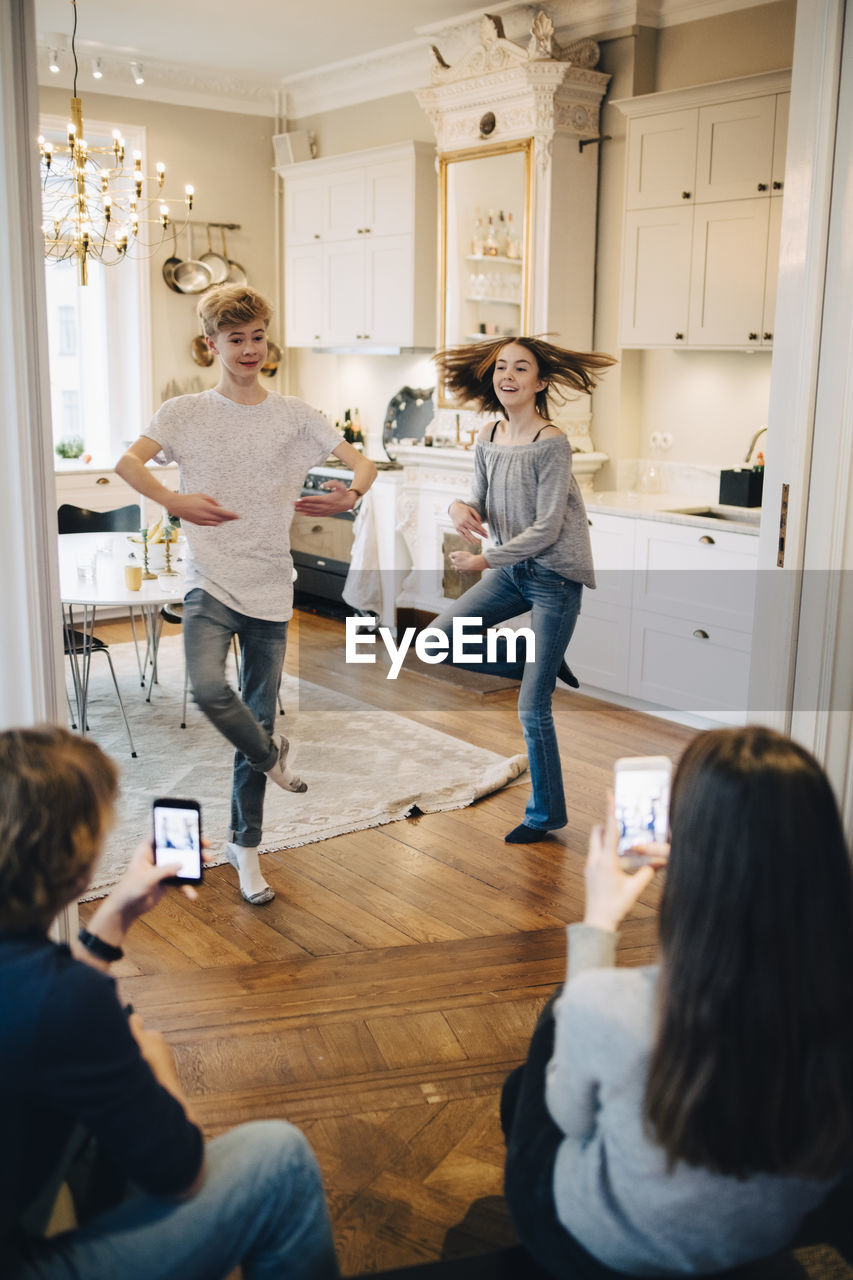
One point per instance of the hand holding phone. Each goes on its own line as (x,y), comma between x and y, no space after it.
(177,838)
(641,799)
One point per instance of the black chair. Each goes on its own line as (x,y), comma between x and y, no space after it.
(174,613)
(80,520)
(75,645)
(73,519)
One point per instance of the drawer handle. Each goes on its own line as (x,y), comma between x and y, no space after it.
(685,195)
(707,539)
(316,528)
(679,337)
(753,337)
(700,634)
(768,337)
(102,480)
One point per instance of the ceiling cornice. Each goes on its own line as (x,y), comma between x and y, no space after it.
(396,69)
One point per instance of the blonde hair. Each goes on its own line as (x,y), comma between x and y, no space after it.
(467,371)
(57,793)
(227,305)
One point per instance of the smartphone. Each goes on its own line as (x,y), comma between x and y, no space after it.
(641,795)
(177,838)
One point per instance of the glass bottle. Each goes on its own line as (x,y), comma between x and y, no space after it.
(513,245)
(502,234)
(477,238)
(490,248)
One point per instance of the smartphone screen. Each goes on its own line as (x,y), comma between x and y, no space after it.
(177,837)
(641,795)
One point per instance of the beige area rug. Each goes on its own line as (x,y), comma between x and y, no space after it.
(364,767)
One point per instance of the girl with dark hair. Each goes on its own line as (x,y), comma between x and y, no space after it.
(539,559)
(697,1115)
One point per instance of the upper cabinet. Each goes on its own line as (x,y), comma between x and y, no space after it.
(360,241)
(704,182)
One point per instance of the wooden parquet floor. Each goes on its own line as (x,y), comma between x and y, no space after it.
(381,999)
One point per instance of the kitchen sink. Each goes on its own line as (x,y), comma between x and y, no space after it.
(736,515)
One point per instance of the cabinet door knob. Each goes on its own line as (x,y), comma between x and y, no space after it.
(768,337)
(316,337)
(762,186)
(777,186)
(316,235)
(707,539)
(589,522)
(685,195)
(753,337)
(102,480)
(700,634)
(359,231)
(679,337)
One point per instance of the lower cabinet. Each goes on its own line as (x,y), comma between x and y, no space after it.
(671,620)
(104,490)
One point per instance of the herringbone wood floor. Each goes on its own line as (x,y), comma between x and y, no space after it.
(380,1000)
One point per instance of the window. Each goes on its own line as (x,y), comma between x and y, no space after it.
(99,335)
(67,331)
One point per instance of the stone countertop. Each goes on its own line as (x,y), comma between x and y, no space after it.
(671,508)
(76,467)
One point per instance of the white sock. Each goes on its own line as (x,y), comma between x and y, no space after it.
(251,880)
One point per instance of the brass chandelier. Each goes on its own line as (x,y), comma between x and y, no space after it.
(95,202)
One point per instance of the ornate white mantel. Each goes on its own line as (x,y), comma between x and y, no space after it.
(499,92)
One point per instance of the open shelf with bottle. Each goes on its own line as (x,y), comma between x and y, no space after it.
(494,257)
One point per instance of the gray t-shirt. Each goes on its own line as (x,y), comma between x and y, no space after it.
(612,1188)
(532,504)
(252,458)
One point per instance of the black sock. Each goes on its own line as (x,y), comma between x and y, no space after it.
(524,835)
(568,676)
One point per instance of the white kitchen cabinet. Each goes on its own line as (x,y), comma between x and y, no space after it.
(723,221)
(677,662)
(103,490)
(671,620)
(729,267)
(656,277)
(688,571)
(360,249)
(734,158)
(305,296)
(661,162)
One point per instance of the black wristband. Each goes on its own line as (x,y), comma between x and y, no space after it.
(97,946)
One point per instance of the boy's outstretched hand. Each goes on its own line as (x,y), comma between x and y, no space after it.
(610,890)
(200,508)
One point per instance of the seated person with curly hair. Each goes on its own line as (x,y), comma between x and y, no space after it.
(76,1069)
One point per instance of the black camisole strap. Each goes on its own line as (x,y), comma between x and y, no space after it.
(494,429)
(538,434)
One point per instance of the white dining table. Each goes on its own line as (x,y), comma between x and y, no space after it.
(91,577)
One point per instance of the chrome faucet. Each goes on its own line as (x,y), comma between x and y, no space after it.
(753,442)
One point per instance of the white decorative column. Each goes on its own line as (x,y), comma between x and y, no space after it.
(499,92)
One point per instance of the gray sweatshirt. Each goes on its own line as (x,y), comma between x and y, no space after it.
(533,506)
(612,1189)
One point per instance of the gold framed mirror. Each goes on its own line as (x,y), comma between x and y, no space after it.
(486,198)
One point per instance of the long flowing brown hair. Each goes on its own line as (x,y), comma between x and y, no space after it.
(467,372)
(752,1070)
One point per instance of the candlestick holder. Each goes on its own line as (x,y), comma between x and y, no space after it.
(146,572)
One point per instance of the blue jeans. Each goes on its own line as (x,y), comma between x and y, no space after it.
(261,1206)
(554,604)
(208,628)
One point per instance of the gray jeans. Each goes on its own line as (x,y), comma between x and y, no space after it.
(248,722)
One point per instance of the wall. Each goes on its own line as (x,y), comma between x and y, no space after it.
(228,159)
